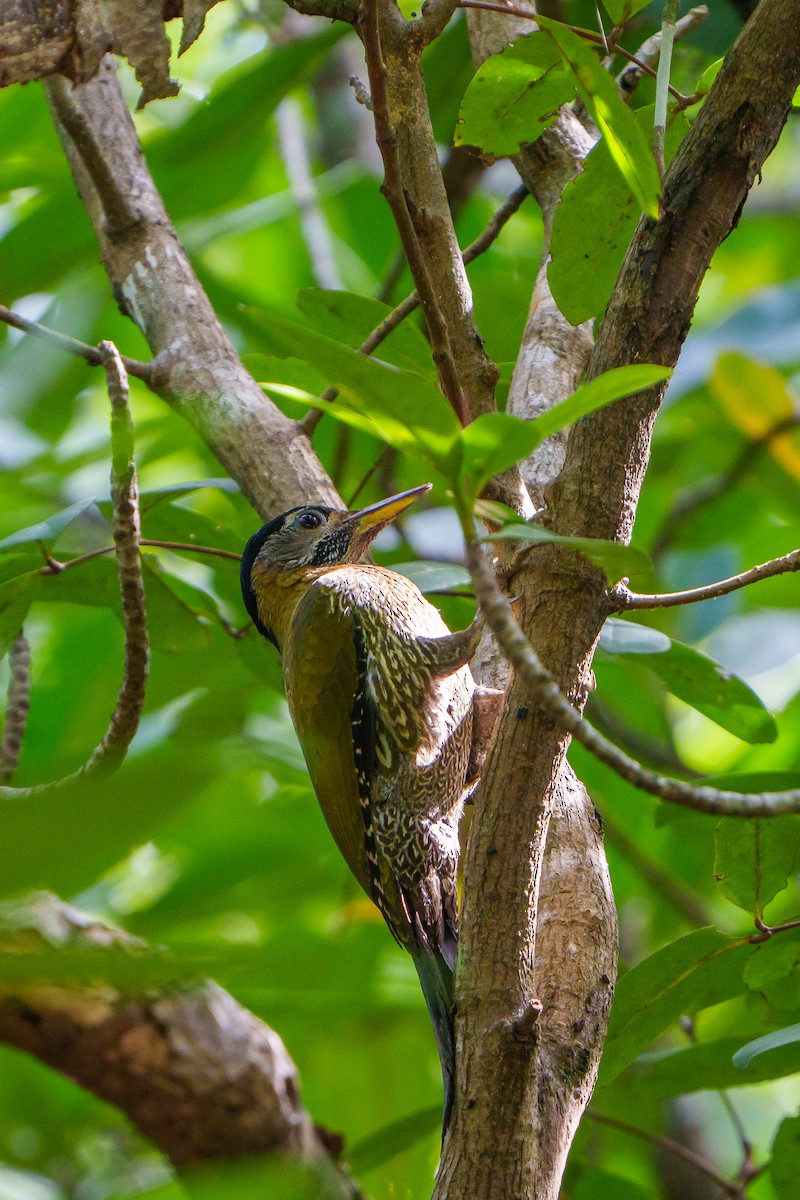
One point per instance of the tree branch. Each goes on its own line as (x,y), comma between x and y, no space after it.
(199,1075)
(539,930)
(527,663)
(400,201)
(727,1186)
(71,345)
(625,600)
(417,196)
(649,313)
(196,369)
(404,309)
(17,706)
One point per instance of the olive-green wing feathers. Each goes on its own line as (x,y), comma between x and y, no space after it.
(322,678)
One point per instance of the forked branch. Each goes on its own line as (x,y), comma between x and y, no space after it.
(547,694)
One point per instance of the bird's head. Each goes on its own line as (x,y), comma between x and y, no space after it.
(308,540)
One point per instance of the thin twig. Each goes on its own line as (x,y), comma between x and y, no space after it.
(111,750)
(526,662)
(670,16)
(748,1170)
(596,39)
(71,345)
(395,193)
(648,53)
(626,600)
(711,489)
(665,1143)
(404,309)
(768,931)
(54,567)
(383,457)
(16,719)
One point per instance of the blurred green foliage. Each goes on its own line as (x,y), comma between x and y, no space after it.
(208,843)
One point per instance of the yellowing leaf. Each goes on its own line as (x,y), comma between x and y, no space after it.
(757,400)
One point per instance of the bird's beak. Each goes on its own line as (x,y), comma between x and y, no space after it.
(376,516)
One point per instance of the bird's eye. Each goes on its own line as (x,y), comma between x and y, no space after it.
(309,520)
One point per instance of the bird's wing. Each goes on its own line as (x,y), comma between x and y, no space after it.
(324,669)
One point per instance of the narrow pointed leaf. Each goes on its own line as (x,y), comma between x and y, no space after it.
(703,968)
(616,560)
(495,441)
(770,1041)
(627,143)
(369,386)
(46,531)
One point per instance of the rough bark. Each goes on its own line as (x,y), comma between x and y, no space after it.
(197,370)
(70,37)
(651,309)
(517,1050)
(505,1140)
(195,1072)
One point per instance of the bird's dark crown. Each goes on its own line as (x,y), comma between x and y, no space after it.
(305,541)
(310,535)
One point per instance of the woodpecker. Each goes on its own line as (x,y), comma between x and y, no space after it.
(382,701)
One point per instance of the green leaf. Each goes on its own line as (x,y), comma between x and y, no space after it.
(770,1041)
(621,11)
(719,695)
(754,859)
(174,523)
(173,491)
(12,566)
(602,1185)
(349,318)
(616,560)
(590,238)
(16,597)
(784,1167)
(514,97)
(96,824)
(704,1067)
(435,576)
(694,678)
(370,387)
(706,80)
(495,441)
(386,429)
(703,968)
(47,531)
(774,972)
(626,637)
(393,1139)
(172,625)
(627,143)
(616,384)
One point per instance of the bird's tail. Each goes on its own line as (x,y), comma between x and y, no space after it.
(436,980)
